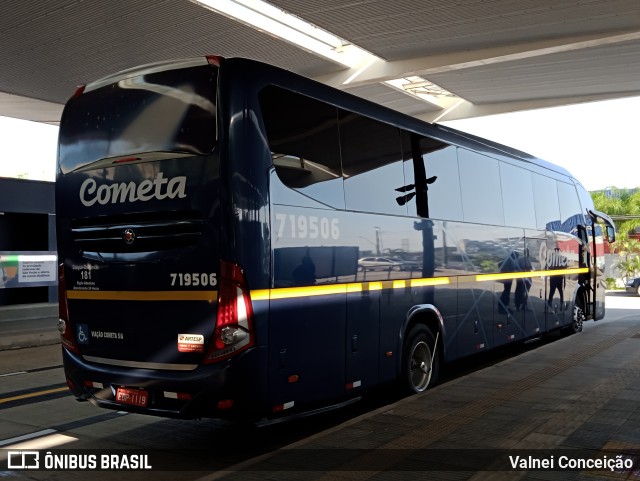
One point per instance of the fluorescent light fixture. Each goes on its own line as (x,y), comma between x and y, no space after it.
(262,16)
(424,90)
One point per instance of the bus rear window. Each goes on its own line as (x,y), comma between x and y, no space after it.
(171,111)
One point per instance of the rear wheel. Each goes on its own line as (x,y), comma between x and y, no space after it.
(420,363)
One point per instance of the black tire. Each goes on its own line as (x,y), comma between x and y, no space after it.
(578,318)
(420,367)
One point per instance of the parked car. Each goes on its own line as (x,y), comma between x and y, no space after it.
(408,265)
(379,263)
(387,264)
(633,286)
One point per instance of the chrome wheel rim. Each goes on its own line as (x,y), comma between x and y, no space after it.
(420,367)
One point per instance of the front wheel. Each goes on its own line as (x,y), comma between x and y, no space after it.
(420,363)
(578,319)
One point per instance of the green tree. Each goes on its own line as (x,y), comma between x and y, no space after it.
(629,268)
(628,247)
(621,203)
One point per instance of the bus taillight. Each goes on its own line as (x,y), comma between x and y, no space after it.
(214,60)
(79,91)
(234,323)
(64,326)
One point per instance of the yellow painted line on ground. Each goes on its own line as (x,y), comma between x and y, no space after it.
(33,394)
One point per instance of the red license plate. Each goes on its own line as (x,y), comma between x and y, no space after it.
(134,397)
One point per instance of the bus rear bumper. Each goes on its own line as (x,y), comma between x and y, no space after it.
(214,390)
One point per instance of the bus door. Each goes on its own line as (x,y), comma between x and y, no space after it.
(600,233)
(586,280)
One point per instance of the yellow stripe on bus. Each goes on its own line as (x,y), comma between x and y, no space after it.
(352,287)
(143,295)
(521,275)
(430,281)
(312,291)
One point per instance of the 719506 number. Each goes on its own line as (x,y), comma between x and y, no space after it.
(193,279)
(306,227)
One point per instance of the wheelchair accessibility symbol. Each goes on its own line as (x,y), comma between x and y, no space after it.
(83,334)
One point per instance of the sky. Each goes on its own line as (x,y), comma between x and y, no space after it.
(598,142)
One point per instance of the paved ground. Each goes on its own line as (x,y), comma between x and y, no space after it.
(28,326)
(578,397)
(565,401)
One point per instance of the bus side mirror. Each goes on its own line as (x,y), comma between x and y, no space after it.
(611,234)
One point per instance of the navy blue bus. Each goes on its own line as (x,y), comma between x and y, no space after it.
(236,240)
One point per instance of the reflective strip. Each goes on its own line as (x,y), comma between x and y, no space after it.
(353,287)
(559,272)
(142,365)
(293,292)
(521,275)
(209,296)
(433,281)
(312,291)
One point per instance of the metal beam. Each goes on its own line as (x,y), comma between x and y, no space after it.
(380,70)
(467,110)
(25,108)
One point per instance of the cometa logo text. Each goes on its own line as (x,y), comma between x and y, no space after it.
(158,188)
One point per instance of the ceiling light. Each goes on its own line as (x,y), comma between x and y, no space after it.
(262,16)
(424,90)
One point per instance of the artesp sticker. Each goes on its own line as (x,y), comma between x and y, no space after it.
(190,343)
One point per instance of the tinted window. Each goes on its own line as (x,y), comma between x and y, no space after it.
(585,198)
(517,196)
(570,211)
(170,111)
(371,164)
(441,169)
(303,138)
(481,190)
(545,195)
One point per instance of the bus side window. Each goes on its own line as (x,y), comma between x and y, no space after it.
(372,164)
(437,180)
(545,195)
(517,196)
(303,137)
(570,211)
(480,188)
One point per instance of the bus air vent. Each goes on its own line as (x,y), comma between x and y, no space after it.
(136,236)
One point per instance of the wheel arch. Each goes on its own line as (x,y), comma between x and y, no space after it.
(429,316)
